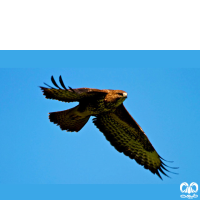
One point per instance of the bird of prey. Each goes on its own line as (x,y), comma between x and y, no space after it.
(111,118)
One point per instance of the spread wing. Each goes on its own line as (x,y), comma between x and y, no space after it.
(123,132)
(69,95)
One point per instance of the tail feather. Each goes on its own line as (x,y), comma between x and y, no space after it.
(69,120)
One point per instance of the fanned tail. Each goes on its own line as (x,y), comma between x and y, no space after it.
(69,120)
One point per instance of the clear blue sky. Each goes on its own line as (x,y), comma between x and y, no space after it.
(163,97)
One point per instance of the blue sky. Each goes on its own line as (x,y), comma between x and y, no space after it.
(163,97)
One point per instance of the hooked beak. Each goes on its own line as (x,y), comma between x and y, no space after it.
(125,94)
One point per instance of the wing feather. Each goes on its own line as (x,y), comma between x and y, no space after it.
(70,95)
(123,132)
(62,83)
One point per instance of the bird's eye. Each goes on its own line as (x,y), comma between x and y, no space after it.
(121,94)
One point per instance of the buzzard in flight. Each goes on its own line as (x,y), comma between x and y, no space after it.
(111,118)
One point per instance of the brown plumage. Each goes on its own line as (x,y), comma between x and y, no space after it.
(111,118)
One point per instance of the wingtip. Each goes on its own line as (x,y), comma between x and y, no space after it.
(163,167)
(160,169)
(165,160)
(49,86)
(56,85)
(62,83)
(54,82)
(158,174)
(169,166)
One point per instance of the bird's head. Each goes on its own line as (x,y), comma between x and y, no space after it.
(116,96)
(120,94)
